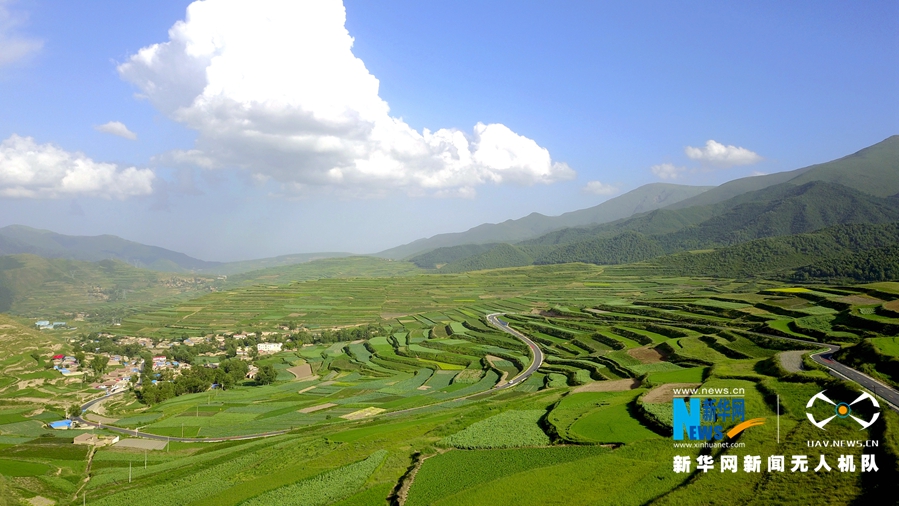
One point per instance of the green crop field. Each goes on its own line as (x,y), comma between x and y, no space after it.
(690,375)
(633,474)
(325,488)
(506,430)
(598,417)
(419,393)
(20,468)
(476,467)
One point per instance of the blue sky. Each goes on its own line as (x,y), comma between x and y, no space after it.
(255,130)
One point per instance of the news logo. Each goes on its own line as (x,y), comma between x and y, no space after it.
(700,418)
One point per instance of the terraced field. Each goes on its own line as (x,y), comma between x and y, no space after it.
(420,394)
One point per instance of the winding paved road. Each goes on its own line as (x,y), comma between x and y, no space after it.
(494,320)
(825,358)
(887,393)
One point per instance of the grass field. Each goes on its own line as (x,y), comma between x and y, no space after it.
(510,429)
(473,468)
(598,417)
(633,474)
(887,345)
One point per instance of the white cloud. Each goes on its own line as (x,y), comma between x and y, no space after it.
(273,87)
(667,171)
(116,128)
(600,188)
(32,170)
(14,47)
(720,155)
(462,192)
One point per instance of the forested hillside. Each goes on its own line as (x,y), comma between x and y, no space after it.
(624,248)
(501,255)
(875,264)
(858,252)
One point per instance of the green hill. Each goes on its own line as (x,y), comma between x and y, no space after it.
(778,211)
(627,247)
(343,267)
(782,210)
(498,256)
(36,286)
(657,222)
(19,239)
(16,239)
(831,253)
(879,263)
(41,287)
(441,256)
(873,170)
(231,268)
(642,199)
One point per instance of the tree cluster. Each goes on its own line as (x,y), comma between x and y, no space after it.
(193,380)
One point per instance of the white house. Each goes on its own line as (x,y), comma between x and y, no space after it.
(268,347)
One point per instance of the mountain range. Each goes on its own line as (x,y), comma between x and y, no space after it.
(795,202)
(645,198)
(648,222)
(19,239)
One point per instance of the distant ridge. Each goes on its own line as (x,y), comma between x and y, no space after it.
(873,170)
(19,239)
(780,213)
(859,189)
(780,210)
(34,285)
(645,198)
(229,268)
(16,239)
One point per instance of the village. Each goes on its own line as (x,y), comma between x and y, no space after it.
(159,368)
(118,371)
(111,363)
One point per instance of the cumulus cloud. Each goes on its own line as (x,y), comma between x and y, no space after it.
(14,47)
(667,171)
(32,170)
(720,155)
(273,87)
(116,128)
(600,188)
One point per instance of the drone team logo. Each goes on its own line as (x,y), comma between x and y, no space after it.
(842,410)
